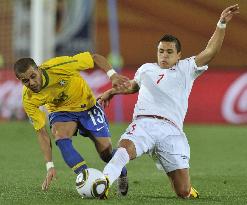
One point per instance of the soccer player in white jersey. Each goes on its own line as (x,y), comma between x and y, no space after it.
(164,88)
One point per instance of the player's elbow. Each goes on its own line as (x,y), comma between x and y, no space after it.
(96,57)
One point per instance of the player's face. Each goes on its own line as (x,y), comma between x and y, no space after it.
(167,54)
(32,79)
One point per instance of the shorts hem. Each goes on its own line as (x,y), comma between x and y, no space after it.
(173,169)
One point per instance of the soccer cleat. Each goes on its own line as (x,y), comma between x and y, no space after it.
(123,184)
(106,193)
(193,193)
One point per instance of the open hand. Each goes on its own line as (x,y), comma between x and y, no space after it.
(51,174)
(104,99)
(119,81)
(228,13)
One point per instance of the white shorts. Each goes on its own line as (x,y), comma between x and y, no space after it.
(159,138)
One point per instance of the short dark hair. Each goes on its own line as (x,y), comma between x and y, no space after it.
(171,38)
(23,64)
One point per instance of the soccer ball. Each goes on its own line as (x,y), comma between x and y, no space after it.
(91,183)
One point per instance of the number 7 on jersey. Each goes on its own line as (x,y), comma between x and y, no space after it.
(161,76)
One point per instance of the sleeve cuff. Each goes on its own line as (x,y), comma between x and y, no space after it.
(197,68)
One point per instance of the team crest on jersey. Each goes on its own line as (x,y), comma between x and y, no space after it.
(62,82)
(60,98)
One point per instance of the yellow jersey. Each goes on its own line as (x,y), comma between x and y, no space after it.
(63,88)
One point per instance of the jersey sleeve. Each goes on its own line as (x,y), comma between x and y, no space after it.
(84,60)
(190,68)
(35,115)
(79,62)
(137,77)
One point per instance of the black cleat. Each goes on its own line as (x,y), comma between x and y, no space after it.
(123,185)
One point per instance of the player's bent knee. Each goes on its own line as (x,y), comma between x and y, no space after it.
(61,136)
(183,193)
(62,130)
(129,146)
(58,134)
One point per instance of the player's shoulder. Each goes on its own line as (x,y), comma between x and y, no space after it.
(187,61)
(185,64)
(147,66)
(56,62)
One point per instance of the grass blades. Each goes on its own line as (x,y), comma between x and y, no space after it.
(218,169)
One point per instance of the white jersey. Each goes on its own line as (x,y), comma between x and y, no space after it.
(165,92)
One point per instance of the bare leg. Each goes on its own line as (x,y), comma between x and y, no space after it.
(63,132)
(180,181)
(103,146)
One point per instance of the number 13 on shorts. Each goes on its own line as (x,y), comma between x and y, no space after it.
(97,116)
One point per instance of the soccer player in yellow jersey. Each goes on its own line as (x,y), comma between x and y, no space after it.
(58,85)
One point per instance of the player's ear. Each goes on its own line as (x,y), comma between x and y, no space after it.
(17,76)
(179,55)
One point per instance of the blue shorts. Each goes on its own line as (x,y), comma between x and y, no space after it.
(91,122)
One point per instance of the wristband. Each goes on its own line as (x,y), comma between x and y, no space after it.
(49,165)
(110,73)
(221,25)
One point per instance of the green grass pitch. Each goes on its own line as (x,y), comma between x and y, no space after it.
(218,169)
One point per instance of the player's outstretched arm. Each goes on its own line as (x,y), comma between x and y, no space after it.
(117,80)
(45,145)
(105,98)
(215,42)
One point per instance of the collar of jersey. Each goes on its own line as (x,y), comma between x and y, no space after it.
(45,78)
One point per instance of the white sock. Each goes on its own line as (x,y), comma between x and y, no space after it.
(115,165)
